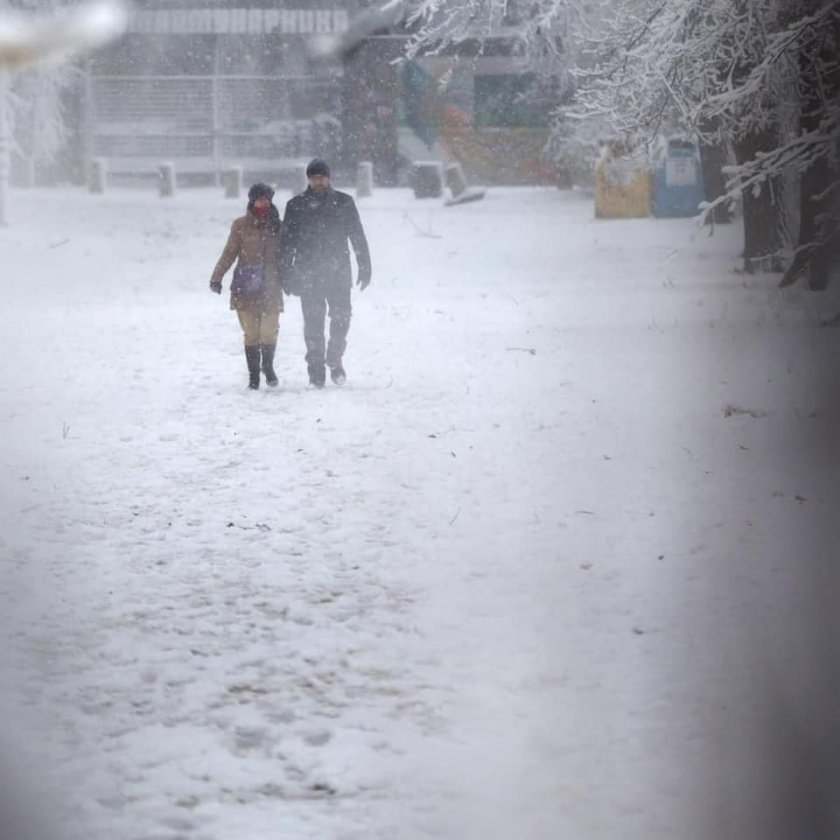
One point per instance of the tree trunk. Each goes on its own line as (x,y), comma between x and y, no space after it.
(816,258)
(819,215)
(761,211)
(712,161)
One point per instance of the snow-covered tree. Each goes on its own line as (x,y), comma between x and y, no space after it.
(39,121)
(43,39)
(758,78)
(755,74)
(816,148)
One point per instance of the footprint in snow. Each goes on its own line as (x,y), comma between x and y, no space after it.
(316,737)
(248,737)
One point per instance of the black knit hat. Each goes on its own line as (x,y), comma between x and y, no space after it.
(260,190)
(318,166)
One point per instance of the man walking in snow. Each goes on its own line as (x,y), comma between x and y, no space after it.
(315,264)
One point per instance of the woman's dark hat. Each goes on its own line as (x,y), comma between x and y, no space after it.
(260,190)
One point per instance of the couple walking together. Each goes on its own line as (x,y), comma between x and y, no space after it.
(305,254)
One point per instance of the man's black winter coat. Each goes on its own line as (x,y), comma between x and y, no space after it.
(313,247)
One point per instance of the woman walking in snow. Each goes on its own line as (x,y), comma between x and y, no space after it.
(255,292)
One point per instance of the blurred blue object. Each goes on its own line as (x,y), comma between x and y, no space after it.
(677,181)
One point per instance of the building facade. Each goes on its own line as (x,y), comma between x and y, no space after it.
(212,84)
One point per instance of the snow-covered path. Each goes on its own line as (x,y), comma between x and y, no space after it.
(455,598)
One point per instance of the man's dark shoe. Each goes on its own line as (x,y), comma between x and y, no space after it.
(317,375)
(337,374)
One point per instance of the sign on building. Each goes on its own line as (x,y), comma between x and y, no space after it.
(239,21)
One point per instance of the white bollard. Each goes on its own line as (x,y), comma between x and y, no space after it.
(97,175)
(232,181)
(167,180)
(455,179)
(427,179)
(364,179)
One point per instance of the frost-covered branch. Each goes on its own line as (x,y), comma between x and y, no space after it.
(760,77)
(44,37)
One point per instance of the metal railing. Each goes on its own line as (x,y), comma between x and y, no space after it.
(207,123)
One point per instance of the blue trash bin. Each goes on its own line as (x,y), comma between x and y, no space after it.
(678,185)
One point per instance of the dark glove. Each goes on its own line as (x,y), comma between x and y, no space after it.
(364,280)
(216,286)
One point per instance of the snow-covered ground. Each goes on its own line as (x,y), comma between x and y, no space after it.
(542,569)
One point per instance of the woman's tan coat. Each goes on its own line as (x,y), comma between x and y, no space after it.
(251,242)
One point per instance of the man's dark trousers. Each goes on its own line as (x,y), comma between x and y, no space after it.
(315,301)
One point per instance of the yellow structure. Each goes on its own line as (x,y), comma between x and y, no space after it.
(623,189)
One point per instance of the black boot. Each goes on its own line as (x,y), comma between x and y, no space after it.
(317,375)
(268,364)
(337,374)
(252,356)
